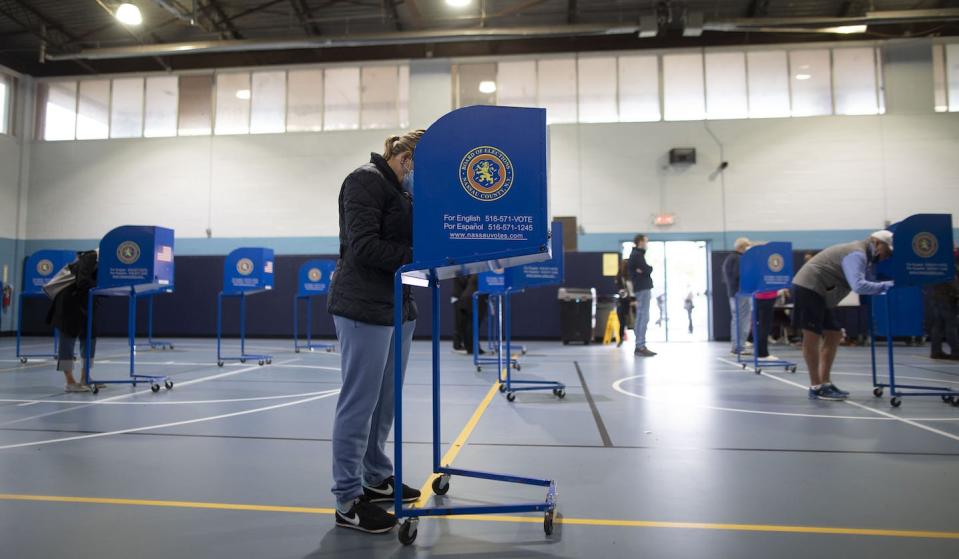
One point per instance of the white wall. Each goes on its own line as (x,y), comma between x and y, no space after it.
(9,185)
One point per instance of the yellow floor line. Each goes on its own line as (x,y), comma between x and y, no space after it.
(426,490)
(824,530)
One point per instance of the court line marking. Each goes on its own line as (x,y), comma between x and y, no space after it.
(457,445)
(729,527)
(170,403)
(905,420)
(172,424)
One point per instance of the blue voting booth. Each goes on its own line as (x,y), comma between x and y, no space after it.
(481,204)
(246,271)
(500,285)
(922,255)
(763,268)
(135,261)
(312,281)
(153,343)
(39,269)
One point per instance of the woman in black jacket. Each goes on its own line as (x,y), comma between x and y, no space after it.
(68,315)
(376,238)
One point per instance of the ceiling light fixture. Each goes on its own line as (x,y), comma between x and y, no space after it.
(458,3)
(243,94)
(129,14)
(802,77)
(487,86)
(847,29)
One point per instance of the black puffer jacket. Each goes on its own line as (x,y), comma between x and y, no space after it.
(68,313)
(376,238)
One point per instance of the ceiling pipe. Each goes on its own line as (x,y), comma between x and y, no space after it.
(773,25)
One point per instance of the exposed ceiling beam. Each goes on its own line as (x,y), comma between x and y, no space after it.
(223,23)
(23,19)
(517,8)
(302,10)
(389,6)
(571,11)
(415,14)
(758,8)
(254,10)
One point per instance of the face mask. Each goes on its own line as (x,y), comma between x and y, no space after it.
(408,182)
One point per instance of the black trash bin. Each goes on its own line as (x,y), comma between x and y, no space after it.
(577,314)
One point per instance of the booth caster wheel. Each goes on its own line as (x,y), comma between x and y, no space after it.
(744,366)
(441,485)
(261,362)
(517,366)
(548,523)
(523,351)
(792,369)
(407,533)
(168,384)
(559,393)
(877,392)
(502,387)
(269,361)
(955,402)
(759,371)
(479,369)
(510,396)
(242,360)
(219,363)
(895,402)
(329,350)
(296,350)
(23,360)
(155,387)
(95,389)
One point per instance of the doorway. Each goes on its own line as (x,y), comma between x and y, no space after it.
(680,308)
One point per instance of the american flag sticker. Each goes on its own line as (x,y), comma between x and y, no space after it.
(269,267)
(165,254)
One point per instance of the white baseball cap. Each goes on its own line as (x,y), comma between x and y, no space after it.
(883,236)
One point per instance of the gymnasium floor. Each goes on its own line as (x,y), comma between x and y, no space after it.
(681,455)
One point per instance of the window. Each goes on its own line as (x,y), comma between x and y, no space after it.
(196,105)
(268,105)
(952,75)
(475,84)
(726,85)
(941,103)
(93,110)
(59,100)
(516,84)
(768,84)
(5,104)
(378,97)
(162,105)
(126,108)
(305,101)
(854,78)
(683,95)
(233,103)
(639,89)
(597,89)
(341,99)
(556,83)
(811,83)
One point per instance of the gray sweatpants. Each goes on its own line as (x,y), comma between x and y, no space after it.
(743,306)
(364,411)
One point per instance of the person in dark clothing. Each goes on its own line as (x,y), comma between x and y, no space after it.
(463,289)
(625,299)
(68,314)
(740,307)
(460,286)
(640,272)
(942,306)
(376,238)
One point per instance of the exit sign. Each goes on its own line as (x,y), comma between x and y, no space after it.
(664,220)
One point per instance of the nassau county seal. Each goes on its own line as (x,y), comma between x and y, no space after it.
(128,252)
(486,173)
(244,266)
(925,245)
(315,274)
(776,262)
(44,267)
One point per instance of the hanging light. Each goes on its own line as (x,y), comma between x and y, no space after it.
(487,86)
(458,3)
(847,29)
(243,94)
(129,14)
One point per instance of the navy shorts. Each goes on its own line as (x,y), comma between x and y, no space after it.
(811,313)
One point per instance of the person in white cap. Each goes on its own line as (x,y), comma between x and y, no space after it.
(818,287)
(741,306)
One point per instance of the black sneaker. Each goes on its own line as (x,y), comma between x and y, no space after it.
(366,517)
(383,493)
(644,352)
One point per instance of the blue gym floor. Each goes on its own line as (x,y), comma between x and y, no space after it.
(680,455)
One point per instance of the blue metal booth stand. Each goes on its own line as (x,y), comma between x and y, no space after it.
(40,268)
(501,285)
(922,255)
(313,281)
(481,204)
(246,271)
(155,344)
(763,268)
(135,261)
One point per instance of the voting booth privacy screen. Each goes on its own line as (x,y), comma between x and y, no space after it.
(767,267)
(480,190)
(314,277)
(247,270)
(137,257)
(41,266)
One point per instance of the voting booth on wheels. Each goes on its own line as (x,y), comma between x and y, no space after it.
(246,271)
(135,261)
(39,269)
(480,204)
(500,285)
(922,255)
(312,281)
(763,268)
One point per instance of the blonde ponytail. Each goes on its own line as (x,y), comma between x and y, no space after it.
(398,145)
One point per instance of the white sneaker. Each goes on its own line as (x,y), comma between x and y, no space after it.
(76,387)
(771,357)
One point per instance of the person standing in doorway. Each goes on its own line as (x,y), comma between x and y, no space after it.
(376,238)
(818,288)
(641,274)
(740,308)
(689,305)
